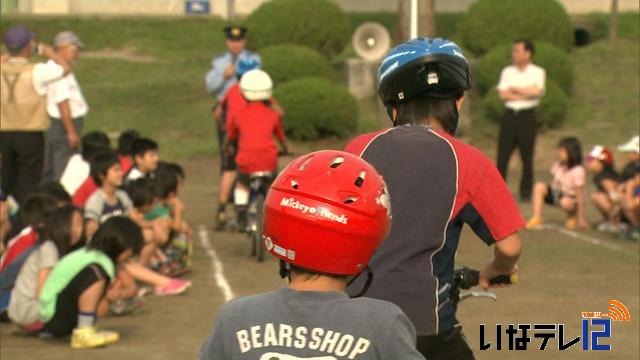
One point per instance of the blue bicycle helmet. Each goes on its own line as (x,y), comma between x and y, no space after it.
(423,66)
(246,64)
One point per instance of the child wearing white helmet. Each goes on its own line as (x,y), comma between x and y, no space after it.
(254,128)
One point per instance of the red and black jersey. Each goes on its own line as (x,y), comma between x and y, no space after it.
(436,185)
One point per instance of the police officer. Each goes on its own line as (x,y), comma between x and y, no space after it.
(218,81)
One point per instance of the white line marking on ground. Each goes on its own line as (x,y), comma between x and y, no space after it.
(216,265)
(585,238)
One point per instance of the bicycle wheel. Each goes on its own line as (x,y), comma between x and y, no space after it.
(259,227)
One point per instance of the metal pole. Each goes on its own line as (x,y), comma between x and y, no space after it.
(413,29)
(231,10)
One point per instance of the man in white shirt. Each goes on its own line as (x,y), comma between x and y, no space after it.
(23,115)
(66,107)
(521,86)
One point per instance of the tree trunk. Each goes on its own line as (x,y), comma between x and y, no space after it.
(426,19)
(613,20)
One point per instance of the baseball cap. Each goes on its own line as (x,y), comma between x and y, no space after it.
(235,32)
(601,153)
(18,37)
(67,37)
(633,145)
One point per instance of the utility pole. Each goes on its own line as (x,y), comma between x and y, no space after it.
(416,18)
(613,20)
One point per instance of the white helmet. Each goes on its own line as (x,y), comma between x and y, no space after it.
(256,85)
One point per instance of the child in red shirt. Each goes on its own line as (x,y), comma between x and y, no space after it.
(254,127)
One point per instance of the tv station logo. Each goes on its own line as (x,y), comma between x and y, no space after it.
(596,328)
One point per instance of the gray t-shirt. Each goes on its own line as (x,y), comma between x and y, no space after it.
(287,325)
(23,306)
(99,209)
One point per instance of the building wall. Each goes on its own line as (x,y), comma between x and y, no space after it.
(244,7)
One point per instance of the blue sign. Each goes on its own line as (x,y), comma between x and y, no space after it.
(197,7)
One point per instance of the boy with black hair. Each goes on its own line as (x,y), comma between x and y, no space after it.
(320,250)
(125,148)
(145,159)
(108,200)
(142,194)
(78,166)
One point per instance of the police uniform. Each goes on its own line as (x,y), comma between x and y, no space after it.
(216,84)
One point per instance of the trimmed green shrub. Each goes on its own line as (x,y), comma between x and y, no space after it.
(288,62)
(551,111)
(489,23)
(557,64)
(319,24)
(316,108)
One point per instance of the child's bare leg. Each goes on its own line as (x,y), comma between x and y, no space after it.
(149,247)
(88,303)
(602,203)
(161,230)
(540,190)
(145,275)
(569,206)
(226,185)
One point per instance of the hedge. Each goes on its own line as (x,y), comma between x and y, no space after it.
(317,108)
(319,24)
(551,111)
(489,23)
(288,62)
(557,64)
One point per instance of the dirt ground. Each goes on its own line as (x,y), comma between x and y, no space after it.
(561,274)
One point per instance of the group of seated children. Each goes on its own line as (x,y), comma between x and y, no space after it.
(248,118)
(69,257)
(615,195)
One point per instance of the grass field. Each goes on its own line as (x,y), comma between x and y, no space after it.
(147,73)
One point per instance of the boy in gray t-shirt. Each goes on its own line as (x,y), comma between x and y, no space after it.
(324,217)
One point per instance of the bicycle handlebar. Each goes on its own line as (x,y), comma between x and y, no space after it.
(467,278)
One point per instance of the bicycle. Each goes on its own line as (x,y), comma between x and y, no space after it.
(259,183)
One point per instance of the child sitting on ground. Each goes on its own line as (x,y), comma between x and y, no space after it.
(142,194)
(78,166)
(567,188)
(37,207)
(255,126)
(70,296)
(629,190)
(320,252)
(606,181)
(108,200)
(125,148)
(145,159)
(61,235)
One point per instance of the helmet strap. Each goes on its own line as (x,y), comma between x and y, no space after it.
(367,283)
(454,126)
(389,108)
(285,270)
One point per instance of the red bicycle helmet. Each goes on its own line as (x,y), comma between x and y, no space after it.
(326,212)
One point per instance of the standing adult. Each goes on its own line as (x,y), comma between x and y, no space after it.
(219,80)
(23,109)
(66,107)
(521,86)
(436,184)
